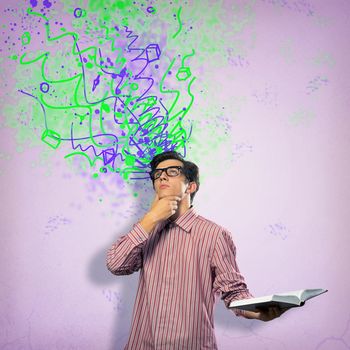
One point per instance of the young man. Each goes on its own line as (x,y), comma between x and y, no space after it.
(184,261)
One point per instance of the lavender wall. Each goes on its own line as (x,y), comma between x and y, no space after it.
(271,135)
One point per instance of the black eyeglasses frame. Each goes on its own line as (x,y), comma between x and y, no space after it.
(151,173)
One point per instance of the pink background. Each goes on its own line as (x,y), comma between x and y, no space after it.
(279,183)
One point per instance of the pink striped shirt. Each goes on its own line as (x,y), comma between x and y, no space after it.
(183,265)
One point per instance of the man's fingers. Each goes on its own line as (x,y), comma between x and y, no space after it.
(268,314)
(276,312)
(174,204)
(173,198)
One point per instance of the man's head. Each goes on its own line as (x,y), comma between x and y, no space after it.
(173,175)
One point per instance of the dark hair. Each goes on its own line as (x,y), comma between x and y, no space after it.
(190,170)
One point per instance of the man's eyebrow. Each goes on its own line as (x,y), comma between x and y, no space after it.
(170,166)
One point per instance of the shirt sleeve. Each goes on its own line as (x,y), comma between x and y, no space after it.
(125,256)
(228,281)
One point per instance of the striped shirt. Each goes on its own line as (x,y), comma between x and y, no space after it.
(184,264)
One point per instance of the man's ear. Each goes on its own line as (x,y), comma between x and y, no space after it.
(192,187)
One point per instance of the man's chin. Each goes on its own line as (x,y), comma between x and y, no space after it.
(164,192)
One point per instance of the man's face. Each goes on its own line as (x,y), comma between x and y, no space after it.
(170,186)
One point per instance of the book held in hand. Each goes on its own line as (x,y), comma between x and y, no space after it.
(283,300)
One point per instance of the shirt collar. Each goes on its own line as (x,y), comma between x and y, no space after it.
(186,220)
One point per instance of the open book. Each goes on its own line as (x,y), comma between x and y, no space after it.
(283,300)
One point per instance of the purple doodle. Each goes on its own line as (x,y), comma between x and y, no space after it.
(44,87)
(151,9)
(34,3)
(47,3)
(315,84)
(278,230)
(78,12)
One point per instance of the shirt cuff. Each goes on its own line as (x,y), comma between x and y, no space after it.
(138,235)
(245,294)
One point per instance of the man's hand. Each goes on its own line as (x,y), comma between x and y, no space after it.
(161,209)
(266,314)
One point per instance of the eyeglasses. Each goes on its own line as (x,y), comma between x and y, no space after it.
(171,171)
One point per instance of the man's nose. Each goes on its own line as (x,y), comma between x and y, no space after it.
(163,175)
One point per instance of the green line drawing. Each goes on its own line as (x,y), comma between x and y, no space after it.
(180,23)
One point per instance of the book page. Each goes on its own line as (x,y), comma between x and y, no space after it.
(287,299)
(311,293)
(296,293)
